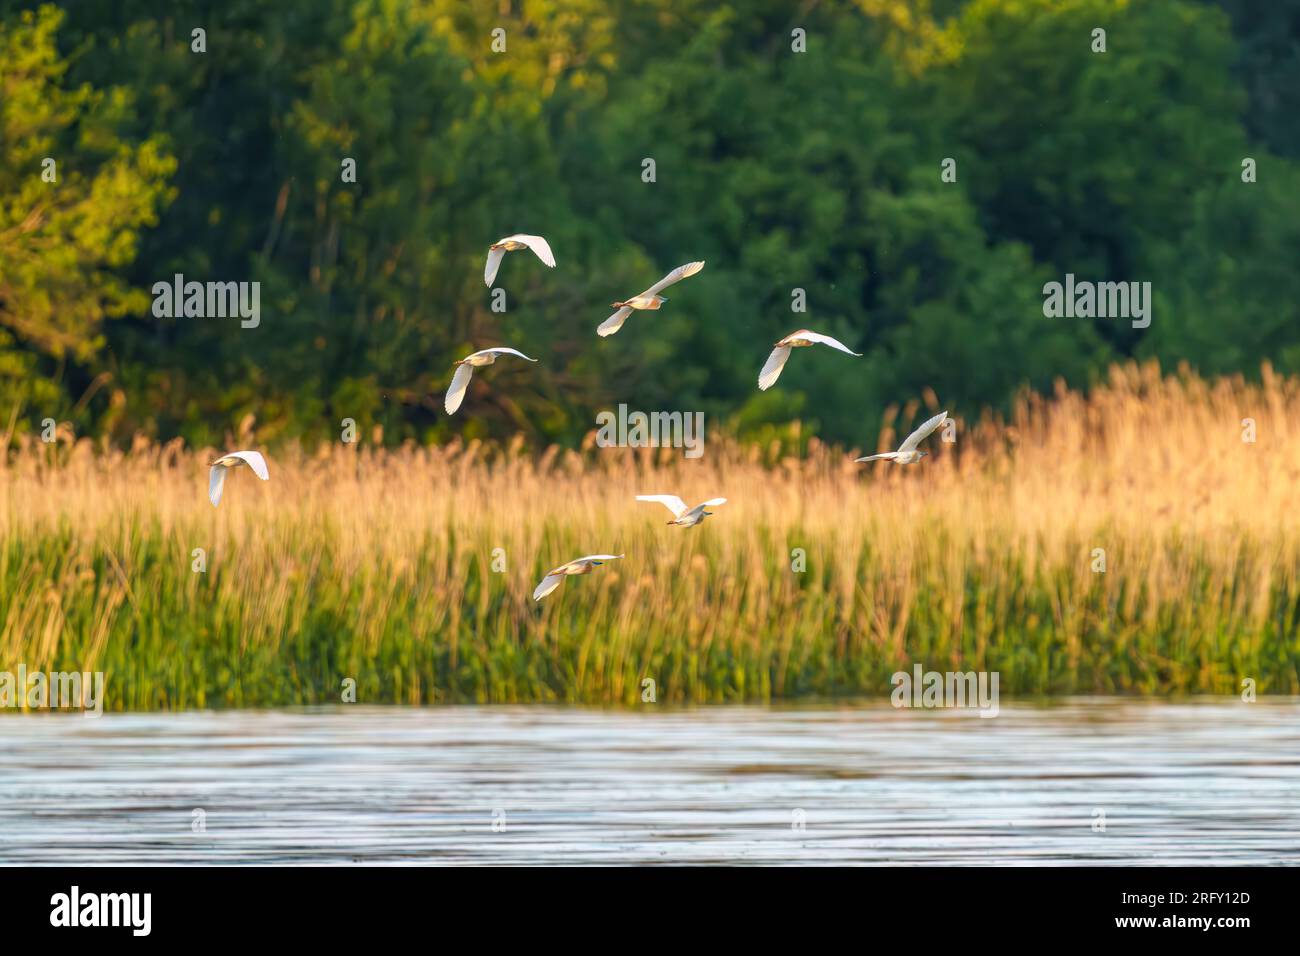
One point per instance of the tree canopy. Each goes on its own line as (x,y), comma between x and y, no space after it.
(913,171)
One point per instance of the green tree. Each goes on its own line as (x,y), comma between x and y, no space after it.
(74,196)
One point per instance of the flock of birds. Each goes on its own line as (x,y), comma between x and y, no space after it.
(908,452)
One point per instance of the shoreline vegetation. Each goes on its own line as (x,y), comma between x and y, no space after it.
(381,566)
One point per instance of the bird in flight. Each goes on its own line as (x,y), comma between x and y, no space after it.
(465,371)
(497,251)
(577,566)
(649,299)
(907,453)
(682,516)
(234,459)
(795,340)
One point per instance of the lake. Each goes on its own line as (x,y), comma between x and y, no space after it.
(1207,781)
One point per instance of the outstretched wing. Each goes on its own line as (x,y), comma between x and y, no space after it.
(677,275)
(671,502)
(505,351)
(547,585)
(540,246)
(456,393)
(493,264)
(827,340)
(614,322)
(597,557)
(216,481)
(922,433)
(882,456)
(772,367)
(254,460)
(699,509)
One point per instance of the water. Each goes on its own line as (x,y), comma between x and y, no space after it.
(1179,783)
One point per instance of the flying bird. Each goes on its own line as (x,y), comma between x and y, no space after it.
(576,566)
(907,453)
(649,299)
(795,340)
(465,371)
(217,477)
(497,251)
(686,518)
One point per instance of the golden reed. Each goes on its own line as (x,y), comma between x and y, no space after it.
(381,566)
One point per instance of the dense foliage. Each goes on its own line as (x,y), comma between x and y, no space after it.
(816,170)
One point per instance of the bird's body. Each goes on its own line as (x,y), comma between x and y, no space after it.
(465,371)
(781,353)
(648,300)
(907,453)
(682,516)
(497,251)
(234,459)
(556,576)
(641,302)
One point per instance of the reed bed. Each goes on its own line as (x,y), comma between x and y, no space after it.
(378,566)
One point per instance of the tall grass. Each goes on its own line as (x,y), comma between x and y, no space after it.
(374,565)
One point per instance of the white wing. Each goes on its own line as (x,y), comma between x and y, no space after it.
(671,502)
(772,367)
(505,351)
(677,275)
(547,585)
(216,479)
(614,322)
(698,509)
(536,243)
(882,455)
(922,433)
(254,460)
(456,393)
(493,264)
(597,557)
(827,340)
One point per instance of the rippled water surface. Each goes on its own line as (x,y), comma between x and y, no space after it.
(1177,783)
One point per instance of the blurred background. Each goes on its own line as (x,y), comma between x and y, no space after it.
(816,170)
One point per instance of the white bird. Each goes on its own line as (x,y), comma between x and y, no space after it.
(465,371)
(217,477)
(649,299)
(497,251)
(576,566)
(681,515)
(795,340)
(907,453)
